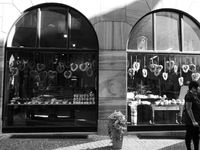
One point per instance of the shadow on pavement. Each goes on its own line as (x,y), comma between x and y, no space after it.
(102,148)
(178,146)
(159,137)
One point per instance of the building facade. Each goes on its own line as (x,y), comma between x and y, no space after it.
(112,22)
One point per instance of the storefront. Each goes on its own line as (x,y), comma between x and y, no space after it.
(66,71)
(51,72)
(163,56)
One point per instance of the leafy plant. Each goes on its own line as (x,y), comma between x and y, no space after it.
(116,123)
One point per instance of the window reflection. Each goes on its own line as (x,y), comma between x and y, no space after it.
(81,33)
(141,36)
(167,36)
(25,31)
(53,28)
(191,35)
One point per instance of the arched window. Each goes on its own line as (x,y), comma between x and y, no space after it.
(51,72)
(163,53)
(165,30)
(53,26)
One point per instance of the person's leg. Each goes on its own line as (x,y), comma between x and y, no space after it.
(195,137)
(188,137)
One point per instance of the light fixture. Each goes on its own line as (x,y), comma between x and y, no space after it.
(65,36)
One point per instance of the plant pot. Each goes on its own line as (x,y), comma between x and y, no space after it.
(117,139)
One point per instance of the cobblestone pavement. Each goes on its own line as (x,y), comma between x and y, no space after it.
(91,142)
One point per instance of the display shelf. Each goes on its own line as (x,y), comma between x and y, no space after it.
(51,104)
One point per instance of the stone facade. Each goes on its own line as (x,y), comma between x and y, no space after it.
(112,21)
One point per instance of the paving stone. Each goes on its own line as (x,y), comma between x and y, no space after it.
(92,142)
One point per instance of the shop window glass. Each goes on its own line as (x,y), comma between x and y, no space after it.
(24,32)
(53,27)
(157,84)
(191,34)
(49,85)
(141,36)
(167,27)
(80,32)
(157,80)
(44,87)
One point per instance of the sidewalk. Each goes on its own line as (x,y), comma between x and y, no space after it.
(130,143)
(92,142)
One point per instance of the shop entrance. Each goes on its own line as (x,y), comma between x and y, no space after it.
(51,72)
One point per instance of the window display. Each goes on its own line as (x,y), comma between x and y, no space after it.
(50,88)
(156,80)
(160,64)
(50,85)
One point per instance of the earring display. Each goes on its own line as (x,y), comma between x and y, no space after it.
(74,66)
(165,74)
(67,74)
(195,76)
(158,69)
(192,67)
(185,68)
(60,67)
(83,66)
(144,70)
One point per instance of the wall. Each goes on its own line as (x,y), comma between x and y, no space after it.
(112,21)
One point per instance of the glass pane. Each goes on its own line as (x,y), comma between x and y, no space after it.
(24,33)
(50,89)
(191,34)
(81,32)
(53,27)
(167,31)
(141,35)
(157,84)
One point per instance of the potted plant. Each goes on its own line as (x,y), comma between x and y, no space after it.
(116,128)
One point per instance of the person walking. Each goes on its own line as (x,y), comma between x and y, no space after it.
(192,116)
